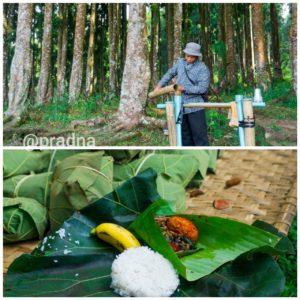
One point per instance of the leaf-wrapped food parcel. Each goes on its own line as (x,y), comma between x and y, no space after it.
(35,186)
(23,219)
(78,181)
(18,162)
(124,156)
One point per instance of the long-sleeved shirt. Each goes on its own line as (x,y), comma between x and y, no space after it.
(198,73)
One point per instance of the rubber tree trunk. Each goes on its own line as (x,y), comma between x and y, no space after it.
(262,67)
(44,78)
(62,49)
(275,42)
(248,46)
(170,32)
(293,45)
(185,16)
(77,64)
(177,31)
(6,30)
(239,29)
(20,71)
(113,45)
(89,87)
(136,76)
(231,68)
(154,43)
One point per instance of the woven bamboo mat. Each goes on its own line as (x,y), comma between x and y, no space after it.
(267,190)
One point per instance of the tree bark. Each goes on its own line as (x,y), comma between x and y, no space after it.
(275,42)
(44,78)
(6,29)
(177,31)
(170,33)
(248,46)
(239,40)
(154,43)
(260,51)
(185,16)
(20,71)
(113,46)
(231,68)
(90,59)
(136,77)
(293,45)
(77,64)
(123,36)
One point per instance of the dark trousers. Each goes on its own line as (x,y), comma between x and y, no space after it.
(194,129)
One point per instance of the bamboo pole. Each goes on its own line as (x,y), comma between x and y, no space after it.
(208,105)
(171,123)
(249,122)
(165,90)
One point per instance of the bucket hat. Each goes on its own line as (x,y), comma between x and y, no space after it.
(192,49)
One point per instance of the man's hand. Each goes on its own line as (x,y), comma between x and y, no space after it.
(158,87)
(180,88)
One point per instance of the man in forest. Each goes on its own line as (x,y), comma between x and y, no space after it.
(193,78)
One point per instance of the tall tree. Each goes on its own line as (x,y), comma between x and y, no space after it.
(113,45)
(262,66)
(231,68)
(44,77)
(275,42)
(293,45)
(239,29)
(248,46)
(123,35)
(155,15)
(77,64)
(20,71)
(170,32)
(89,87)
(136,76)
(6,30)
(185,16)
(204,20)
(62,49)
(177,31)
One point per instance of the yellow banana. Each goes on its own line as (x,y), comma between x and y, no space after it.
(116,235)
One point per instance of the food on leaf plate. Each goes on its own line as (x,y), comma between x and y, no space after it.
(179,232)
(116,235)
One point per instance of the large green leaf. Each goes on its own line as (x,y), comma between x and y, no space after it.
(78,181)
(35,186)
(222,240)
(18,162)
(244,277)
(50,271)
(23,219)
(175,171)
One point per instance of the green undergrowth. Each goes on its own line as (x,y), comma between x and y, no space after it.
(57,115)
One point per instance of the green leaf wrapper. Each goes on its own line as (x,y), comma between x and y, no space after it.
(23,219)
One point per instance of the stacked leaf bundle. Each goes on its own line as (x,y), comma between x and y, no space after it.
(43,188)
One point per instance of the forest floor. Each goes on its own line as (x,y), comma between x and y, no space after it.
(275,125)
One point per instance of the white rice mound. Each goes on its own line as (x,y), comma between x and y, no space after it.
(141,272)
